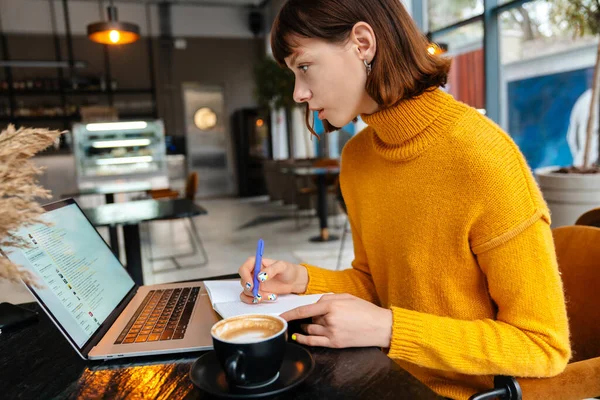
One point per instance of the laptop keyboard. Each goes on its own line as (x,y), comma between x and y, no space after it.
(163,315)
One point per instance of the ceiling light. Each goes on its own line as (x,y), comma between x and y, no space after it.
(205,119)
(107,144)
(124,160)
(112,31)
(437,48)
(116,126)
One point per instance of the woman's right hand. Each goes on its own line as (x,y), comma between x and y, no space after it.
(276,278)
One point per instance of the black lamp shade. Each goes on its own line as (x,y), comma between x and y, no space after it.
(113,31)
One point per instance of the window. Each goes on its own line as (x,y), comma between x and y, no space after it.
(535,84)
(466,79)
(546,74)
(443,13)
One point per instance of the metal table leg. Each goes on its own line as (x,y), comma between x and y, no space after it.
(113,234)
(322,209)
(133,252)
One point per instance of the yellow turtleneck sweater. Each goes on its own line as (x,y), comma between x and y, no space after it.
(452,234)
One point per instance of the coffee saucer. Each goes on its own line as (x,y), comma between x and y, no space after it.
(206,373)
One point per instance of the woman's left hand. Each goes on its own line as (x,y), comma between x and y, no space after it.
(342,320)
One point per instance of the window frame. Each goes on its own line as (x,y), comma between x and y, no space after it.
(491,45)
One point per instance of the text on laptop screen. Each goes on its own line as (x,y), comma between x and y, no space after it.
(83,281)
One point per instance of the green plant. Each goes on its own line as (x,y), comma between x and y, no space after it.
(274,85)
(582,17)
(275,90)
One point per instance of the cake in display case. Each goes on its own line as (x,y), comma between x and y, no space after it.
(111,154)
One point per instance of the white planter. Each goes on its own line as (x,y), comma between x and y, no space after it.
(568,195)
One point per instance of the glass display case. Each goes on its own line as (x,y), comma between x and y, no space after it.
(114,153)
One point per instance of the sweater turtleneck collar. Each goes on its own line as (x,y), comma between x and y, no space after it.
(407,129)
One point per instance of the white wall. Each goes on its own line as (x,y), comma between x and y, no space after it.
(33,16)
(408,5)
(226,22)
(279,135)
(573,58)
(303,147)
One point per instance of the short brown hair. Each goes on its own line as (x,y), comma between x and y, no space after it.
(402,67)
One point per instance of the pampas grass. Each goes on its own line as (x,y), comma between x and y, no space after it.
(19,190)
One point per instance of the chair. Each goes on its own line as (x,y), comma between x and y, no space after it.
(158,194)
(578,256)
(590,218)
(191,187)
(271,172)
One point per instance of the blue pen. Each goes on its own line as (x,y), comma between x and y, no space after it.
(260,249)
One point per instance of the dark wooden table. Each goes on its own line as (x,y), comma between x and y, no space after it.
(109,191)
(131,214)
(321,173)
(38,363)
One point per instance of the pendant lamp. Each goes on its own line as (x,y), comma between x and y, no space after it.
(113,32)
(437,48)
(434,48)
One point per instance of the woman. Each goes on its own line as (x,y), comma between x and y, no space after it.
(454,273)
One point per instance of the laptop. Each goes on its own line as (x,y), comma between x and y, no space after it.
(94,302)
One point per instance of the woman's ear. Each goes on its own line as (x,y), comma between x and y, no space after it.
(363,38)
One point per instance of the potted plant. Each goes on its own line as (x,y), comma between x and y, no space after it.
(573,190)
(274,91)
(19,190)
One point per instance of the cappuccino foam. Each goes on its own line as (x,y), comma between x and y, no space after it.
(247,329)
(247,336)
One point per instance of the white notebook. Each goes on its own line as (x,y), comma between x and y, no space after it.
(225,299)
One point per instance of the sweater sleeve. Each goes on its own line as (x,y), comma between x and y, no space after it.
(529,336)
(356,281)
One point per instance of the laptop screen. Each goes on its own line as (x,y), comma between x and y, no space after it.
(83,281)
